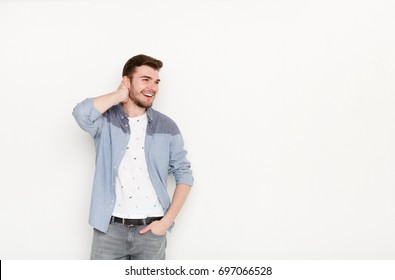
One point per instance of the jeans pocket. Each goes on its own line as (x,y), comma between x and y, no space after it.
(156,235)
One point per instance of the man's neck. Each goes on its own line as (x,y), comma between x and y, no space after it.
(132,110)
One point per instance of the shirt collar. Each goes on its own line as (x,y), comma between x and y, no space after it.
(150,112)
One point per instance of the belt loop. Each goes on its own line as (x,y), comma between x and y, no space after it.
(144,222)
(112,220)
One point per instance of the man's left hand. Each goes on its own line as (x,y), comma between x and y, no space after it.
(157,228)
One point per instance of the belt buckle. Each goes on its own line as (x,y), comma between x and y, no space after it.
(126,224)
(135,223)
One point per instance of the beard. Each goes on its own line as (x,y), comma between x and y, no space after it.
(142,104)
(134,96)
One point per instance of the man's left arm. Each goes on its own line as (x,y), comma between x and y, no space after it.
(179,166)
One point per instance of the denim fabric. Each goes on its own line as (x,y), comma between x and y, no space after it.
(126,243)
(164,151)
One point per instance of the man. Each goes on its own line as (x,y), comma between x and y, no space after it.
(136,149)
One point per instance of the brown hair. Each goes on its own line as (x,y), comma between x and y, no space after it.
(139,60)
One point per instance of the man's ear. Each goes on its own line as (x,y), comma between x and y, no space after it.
(126,81)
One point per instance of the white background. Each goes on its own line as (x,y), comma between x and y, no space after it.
(286,108)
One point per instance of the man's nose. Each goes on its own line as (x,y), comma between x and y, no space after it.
(153,86)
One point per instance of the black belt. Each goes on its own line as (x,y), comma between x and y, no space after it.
(134,222)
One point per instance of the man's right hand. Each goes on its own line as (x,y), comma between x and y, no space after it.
(104,102)
(123,90)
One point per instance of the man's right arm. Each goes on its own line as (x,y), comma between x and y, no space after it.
(88,112)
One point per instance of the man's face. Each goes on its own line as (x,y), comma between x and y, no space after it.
(144,86)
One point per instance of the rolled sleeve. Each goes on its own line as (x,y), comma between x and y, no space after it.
(88,117)
(180,167)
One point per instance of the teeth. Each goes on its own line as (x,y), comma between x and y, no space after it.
(147,94)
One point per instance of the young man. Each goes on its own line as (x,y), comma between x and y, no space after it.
(136,149)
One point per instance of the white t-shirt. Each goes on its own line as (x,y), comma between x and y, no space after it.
(136,196)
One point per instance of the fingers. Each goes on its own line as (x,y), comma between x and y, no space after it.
(123,89)
(156,228)
(122,86)
(145,230)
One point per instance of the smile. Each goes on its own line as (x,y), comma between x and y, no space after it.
(148,94)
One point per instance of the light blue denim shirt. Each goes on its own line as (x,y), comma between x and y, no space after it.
(164,151)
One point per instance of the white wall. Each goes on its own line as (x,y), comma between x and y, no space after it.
(286,107)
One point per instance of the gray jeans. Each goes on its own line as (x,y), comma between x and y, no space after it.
(126,243)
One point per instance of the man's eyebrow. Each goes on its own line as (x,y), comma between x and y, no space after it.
(148,77)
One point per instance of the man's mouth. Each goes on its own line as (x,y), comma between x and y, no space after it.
(148,94)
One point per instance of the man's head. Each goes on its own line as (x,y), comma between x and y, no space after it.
(141,74)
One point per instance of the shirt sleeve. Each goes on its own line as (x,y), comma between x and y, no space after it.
(88,117)
(179,166)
